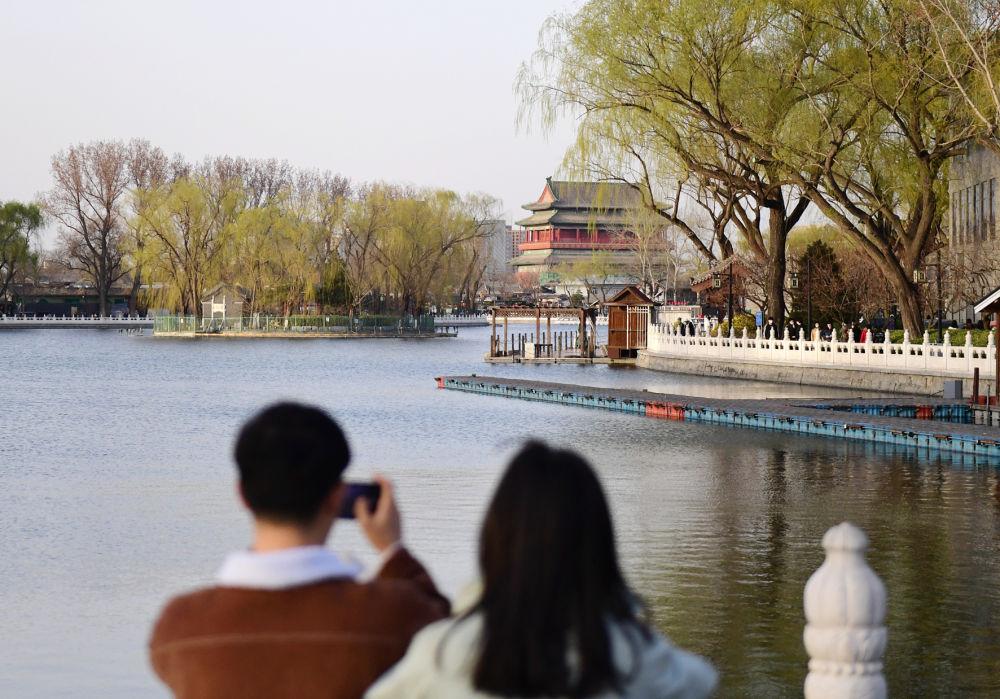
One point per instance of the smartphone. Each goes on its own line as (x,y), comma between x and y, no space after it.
(353,491)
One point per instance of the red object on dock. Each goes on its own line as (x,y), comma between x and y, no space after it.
(665,411)
(925,412)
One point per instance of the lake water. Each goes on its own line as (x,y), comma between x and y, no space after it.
(117,491)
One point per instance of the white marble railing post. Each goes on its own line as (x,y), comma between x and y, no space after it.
(845,636)
(991,353)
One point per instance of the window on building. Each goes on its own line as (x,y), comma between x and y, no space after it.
(965,215)
(974,213)
(953,228)
(992,210)
(981,191)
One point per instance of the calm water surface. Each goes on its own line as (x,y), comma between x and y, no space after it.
(117,491)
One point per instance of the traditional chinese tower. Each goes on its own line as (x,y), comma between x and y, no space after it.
(571,220)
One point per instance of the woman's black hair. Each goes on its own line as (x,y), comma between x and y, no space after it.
(551,581)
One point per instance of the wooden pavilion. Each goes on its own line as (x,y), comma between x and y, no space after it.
(629,312)
(991,306)
(726,278)
(519,314)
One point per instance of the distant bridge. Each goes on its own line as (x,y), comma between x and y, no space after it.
(75,322)
(462,321)
(483,320)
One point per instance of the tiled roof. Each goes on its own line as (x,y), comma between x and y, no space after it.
(587,195)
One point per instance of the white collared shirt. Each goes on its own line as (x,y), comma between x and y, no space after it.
(301,565)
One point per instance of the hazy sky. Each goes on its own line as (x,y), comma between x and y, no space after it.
(415,91)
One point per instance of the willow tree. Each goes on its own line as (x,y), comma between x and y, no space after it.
(965,33)
(843,103)
(253,254)
(366,219)
(664,92)
(189,222)
(425,228)
(886,118)
(18,223)
(149,168)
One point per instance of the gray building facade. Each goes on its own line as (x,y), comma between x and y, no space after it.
(974,244)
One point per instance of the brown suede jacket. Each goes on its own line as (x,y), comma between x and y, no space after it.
(332,638)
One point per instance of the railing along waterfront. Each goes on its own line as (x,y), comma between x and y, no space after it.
(457,320)
(326,324)
(77,321)
(945,358)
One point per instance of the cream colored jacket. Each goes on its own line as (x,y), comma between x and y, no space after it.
(664,672)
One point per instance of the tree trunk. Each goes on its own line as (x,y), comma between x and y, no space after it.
(907,298)
(777,241)
(133,295)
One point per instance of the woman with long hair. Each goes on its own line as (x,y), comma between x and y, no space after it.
(554,617)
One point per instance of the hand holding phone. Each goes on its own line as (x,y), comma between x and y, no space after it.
(369,492)
(382,527)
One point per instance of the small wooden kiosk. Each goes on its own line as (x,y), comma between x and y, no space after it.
(991,306)
(629,312)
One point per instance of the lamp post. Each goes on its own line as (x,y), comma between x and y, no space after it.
(920,276)
(795,283)
(730,315)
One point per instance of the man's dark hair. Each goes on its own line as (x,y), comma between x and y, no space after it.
(290,457)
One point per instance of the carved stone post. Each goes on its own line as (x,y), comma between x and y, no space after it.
(845,636)
(991,352)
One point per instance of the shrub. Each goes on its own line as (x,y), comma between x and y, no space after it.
(980,338)
(740,321)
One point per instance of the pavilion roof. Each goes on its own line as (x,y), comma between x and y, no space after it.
(989,303)
(629,296)
(741,266)
(567,194)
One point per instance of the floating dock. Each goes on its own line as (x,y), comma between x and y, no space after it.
(921,423)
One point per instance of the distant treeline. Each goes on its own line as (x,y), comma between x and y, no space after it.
(286,237)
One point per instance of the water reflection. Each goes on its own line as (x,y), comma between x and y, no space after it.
(736,593)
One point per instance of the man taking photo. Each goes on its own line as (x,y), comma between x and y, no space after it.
(289,617)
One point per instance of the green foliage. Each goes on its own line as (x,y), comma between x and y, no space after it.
(980,338)
(18,222)
(291,244)
(415,247)
(741,322)
(821,285)
(749,101)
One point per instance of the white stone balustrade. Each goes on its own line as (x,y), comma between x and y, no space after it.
(463,319)
(959,360)
(845,635)
(79,321)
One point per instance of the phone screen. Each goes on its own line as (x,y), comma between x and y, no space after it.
(353,491)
